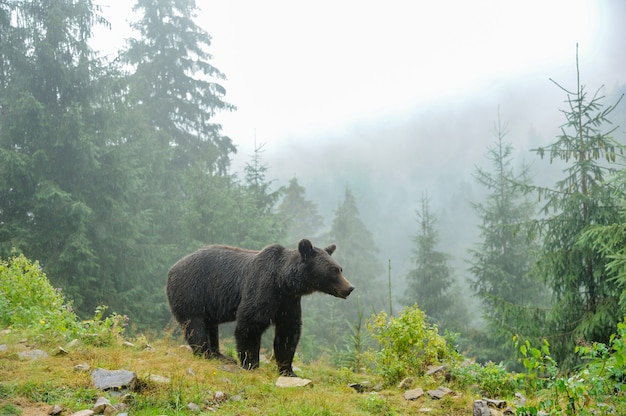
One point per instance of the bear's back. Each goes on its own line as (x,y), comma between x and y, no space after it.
(208,280)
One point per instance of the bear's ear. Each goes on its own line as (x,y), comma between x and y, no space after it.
(305,248)
(330,249)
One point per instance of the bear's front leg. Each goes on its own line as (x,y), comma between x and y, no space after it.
(287,336)
(248,338)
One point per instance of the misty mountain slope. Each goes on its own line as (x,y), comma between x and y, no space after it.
(389,162)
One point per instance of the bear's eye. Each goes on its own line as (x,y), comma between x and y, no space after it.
(337,270)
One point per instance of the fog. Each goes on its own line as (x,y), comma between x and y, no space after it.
(400,99)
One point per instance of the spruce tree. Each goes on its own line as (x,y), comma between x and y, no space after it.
(330,322)
(501,263)
(431,283)
(55,143)
(586,299)
(299,215)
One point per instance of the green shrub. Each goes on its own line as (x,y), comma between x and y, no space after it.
(408,345)
(492,380)
(30,304)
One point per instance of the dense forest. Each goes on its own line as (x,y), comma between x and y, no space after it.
(113,169)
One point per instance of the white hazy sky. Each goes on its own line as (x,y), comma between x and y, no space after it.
(303,66)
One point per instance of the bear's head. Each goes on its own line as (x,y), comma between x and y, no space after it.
(324,274)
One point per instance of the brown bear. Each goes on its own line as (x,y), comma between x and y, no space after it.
(218,284)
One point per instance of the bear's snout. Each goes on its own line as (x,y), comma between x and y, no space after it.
(347,292)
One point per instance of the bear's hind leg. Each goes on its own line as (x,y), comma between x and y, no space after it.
(214,345)
(197,336)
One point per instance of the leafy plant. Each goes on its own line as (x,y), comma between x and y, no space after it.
(493,380)
(583,392)
(408,345)
(29,303)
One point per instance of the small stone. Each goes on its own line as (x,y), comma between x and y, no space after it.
(284,381)
(193,407)
(61,351)
(406,383)
(481,408)
(439,392)
(82,367)
(56,409)
(498,404)
(219,397)
(190,372)
(3,348)
(128,344)
(236,398)
(433,369)
(159,379)
(413,394)
(83,413)
(32,355)
(185,347)
(101,405)
(107,379)
(362,387)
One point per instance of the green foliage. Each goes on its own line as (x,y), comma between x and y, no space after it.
(585,392)
(501,263)
(29,304)
(27,300)
(431,283)
(605,365)
(408,345)
(493,380)
(586,300)
(299,215)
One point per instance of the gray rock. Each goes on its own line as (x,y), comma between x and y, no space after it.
(4,348)
(406,383)
(56,410)
(498,404)
(362,387)
(481,408)
(82,367)
(413,394)
(32,355)
(194,407)
(160,379)
(439,392)
(103,406)
(434,369)
(219,397)
(293,382)
(107,379)
(83,413)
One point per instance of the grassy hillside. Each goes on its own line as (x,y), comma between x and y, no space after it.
(34,387)
(171,381)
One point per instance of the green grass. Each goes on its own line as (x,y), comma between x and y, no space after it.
(28,386)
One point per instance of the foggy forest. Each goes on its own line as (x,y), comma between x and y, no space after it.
(498,212)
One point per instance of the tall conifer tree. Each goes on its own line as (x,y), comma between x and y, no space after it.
(501,263)
(586,298)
